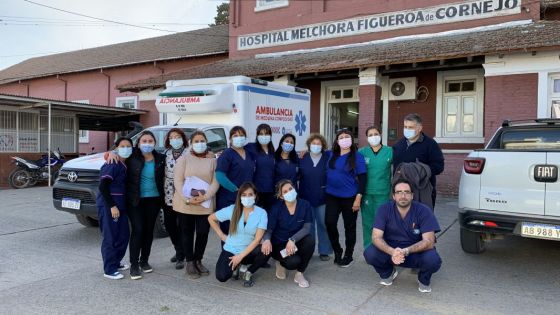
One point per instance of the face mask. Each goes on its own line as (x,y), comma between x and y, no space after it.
(176,143)
(247,202)
(238,142)
(315,148)
(290,196)
(345,143)
(287,147)
(124,152)
(146,147)
(374,140)
(199,147)
(263,139)
(409,133)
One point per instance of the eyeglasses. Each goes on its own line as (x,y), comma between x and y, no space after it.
(406,193)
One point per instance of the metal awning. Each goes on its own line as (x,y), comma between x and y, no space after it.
(90,116)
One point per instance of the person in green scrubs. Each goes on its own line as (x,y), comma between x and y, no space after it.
(378,158)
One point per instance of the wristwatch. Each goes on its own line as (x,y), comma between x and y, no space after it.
(406,251)
(292,239)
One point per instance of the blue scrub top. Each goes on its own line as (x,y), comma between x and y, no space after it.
(313,179)
(117,173)
(285,169)
(238,170)
(238,242)
(148,186)
(264,168)
(342,182)
(399,232)
(284,225)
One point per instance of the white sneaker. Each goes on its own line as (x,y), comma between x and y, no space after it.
(123,267)
(280,271)
(114,276)
(300,280)
(424,288)
(389,281)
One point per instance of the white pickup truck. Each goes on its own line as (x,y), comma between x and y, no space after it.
(511,186)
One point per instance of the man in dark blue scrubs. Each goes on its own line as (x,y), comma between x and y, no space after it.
(404,235)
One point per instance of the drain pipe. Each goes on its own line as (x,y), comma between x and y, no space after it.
(65,87)
(108,86)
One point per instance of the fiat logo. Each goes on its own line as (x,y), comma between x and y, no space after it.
(72,177)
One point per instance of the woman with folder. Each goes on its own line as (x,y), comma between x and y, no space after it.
(195,187)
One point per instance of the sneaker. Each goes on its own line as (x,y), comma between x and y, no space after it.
(424,288)
(280,271)
(337,258)
(243,268)
(248,279)
(202,270)
(180,264)
(123,267)
(346,262)
(191,271)
(300,280)
(114,276)
(135,272)
(324,257)
(235,274)
(146,267)
(173,259)
(389,281)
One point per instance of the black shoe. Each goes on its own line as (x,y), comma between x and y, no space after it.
(346,262)
(135,272)
(324,257)
(146,267)
(173,259)
(248,279)
(180,264)
(337,258)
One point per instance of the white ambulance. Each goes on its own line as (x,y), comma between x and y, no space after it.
(239,101)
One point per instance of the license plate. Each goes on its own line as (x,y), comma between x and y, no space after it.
(71,203)
(540,230)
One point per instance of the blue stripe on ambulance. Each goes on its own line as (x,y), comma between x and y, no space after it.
(253,89)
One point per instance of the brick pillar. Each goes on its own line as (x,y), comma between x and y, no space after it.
(370,102)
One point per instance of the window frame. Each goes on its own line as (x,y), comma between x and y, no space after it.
(123,99)
(260,5)
(552,96)
(460,75)
(84,139)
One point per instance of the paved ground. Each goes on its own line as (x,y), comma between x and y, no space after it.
(50,264)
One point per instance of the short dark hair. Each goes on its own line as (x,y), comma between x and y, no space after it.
(121,139)
(235,129)
(292,155)
(374,127)
(268,131)
(145,133)
(181,133)
(198,133)
(401,181)
(414,117)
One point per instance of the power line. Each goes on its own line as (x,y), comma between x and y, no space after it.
(31,19)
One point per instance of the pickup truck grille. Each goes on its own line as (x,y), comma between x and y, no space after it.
(83,196)
(81,176)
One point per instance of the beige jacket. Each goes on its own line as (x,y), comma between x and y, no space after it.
(203,168)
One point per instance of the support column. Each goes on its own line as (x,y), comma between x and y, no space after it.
(370,102)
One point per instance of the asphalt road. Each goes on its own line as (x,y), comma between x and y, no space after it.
(50,264)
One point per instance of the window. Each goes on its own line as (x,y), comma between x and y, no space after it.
(8,131)
(216,139)
(342,94)
(270,4)
(62,133)
(129,102)
(84,136)
(554,96)
(460,107)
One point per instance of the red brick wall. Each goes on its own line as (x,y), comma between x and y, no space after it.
(509,97)
(151,118)
(448,181)
(315,110)
(370,110)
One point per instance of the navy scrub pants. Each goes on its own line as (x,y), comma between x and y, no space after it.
(256,259)
(115,234)
(427,263)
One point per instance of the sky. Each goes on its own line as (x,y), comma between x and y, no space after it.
(28,30)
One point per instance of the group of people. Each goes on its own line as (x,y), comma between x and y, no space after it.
(265,202)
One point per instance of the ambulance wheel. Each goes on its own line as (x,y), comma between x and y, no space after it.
(87,221)
(472,242)
(159,229)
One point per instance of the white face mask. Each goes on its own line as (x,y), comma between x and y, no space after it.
(409,133)
(374,140)
(247,202)
(199,147)
(315,148)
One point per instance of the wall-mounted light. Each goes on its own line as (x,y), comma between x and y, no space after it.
(353,112)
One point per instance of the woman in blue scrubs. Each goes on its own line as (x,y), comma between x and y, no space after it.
(262,152)
(235,167)
(286,160)
(111,211)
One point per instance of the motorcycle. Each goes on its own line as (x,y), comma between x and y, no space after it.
(29,173)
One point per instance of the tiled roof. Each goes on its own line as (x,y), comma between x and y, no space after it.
(208,41)
(526,37)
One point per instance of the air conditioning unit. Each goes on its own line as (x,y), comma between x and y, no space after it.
(402,89)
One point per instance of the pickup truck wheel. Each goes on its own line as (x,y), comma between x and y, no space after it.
(87,221)
(472,242)
(159,229)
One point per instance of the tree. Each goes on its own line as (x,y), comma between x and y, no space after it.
(222,14)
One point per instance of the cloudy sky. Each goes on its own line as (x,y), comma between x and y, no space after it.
(28,30)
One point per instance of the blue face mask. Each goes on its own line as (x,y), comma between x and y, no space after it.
(263,139)
(409,133)
(199,147)
(238,142)
(124,152)
(315,148)
(146,147)
(287,147)
(176,143)
(247,202)
(290,196)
